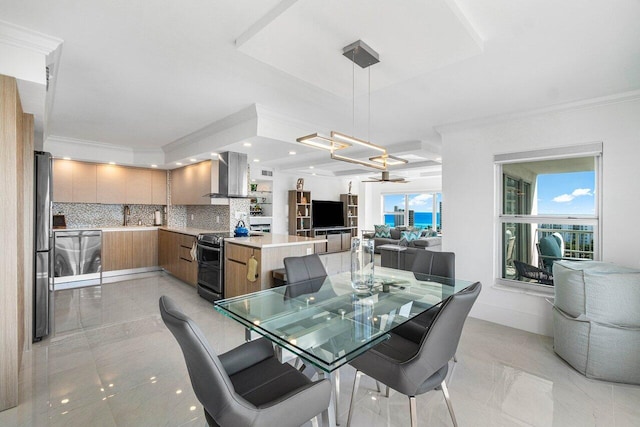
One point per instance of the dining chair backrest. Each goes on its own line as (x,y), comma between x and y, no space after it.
(434,263)
(209,380)
(440,342)
(305,274)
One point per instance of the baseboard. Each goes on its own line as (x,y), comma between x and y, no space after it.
(537,323)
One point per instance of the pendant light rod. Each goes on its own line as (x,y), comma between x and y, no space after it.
(361,54)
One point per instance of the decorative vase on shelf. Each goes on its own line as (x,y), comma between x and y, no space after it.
(362,264)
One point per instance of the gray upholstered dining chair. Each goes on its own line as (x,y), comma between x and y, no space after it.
(246,386)
(442,264)
(414,369)
(305,275)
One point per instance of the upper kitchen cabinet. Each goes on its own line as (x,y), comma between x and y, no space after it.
(63,180)
(191,185)
(112,184)
(211,182)
(158,187)
(74,181)
(83,188)
(138,186)
(81,182)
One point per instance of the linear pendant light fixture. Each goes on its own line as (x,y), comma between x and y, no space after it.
(361,54)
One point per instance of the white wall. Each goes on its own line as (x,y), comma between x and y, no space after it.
(321,188)
(470,191)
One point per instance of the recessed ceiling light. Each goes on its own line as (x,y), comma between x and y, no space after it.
(178,163)
(256,160)
(192,160)
(112,163)
(310,167)
(214,154)
(292,152)
(247,144)
(314,174)
(154,166)
(67,158)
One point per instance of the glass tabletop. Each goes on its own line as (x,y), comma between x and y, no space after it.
(327,323)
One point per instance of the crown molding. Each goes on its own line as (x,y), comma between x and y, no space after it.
(617,98)
(240,117)
(25,38)
(87,143)
(100,152)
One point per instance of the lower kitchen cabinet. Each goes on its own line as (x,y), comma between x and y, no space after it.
(175,255)
(125,250)
(116,250)
(236,268)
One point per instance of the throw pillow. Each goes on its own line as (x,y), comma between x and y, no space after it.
(410,235)
(382,231)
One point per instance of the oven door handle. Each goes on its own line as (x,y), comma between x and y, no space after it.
(209,248)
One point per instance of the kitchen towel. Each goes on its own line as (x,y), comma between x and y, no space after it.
(252,269)
(194,252)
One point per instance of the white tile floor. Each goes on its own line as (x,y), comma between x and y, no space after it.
(112,362)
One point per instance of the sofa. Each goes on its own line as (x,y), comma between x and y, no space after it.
(596,319)
(433,243)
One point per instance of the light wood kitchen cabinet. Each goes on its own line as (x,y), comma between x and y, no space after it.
(190,183)
(175,257)
(84,188)
(138,188)
(62,180)
(158,187)
(236,268)
(124,250)
(144,247)
(111,184)
(80,182)
(74,181)
(116,250)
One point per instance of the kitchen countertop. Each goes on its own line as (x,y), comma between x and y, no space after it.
(183,230)
(272,240)
(191,231)
(107,229)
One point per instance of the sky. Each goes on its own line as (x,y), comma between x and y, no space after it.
(567,193)
(417,202)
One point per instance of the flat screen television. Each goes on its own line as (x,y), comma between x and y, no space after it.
(326,214)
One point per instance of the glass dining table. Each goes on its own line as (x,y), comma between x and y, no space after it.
(328,323)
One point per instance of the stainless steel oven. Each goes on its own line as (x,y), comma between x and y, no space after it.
(210,248)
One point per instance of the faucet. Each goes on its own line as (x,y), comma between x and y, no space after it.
(127,212)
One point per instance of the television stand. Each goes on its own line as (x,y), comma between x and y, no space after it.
(338,239)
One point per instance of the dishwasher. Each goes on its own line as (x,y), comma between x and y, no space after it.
(77,259)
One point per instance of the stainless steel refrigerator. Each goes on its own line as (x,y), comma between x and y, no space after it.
(43,277)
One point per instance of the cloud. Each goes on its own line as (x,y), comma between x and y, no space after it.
(564,198)
(420,200)
(582,192)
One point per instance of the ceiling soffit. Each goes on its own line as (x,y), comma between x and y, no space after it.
(304,38)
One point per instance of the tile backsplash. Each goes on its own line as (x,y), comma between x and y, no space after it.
(214,217)
(80,215)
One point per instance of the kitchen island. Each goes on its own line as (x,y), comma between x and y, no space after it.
(243,275)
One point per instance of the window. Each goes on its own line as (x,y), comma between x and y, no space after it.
(549,209)
(413,210)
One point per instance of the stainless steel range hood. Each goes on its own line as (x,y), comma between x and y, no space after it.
(232,176)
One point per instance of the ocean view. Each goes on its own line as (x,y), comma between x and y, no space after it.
(420,219)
